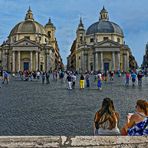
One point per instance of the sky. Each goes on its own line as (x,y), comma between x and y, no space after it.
(130,15)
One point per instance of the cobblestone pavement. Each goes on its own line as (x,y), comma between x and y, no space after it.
(31,108)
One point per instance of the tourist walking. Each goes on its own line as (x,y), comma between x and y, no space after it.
(99,84)
(47,77)
(111,75)
(5,77)
(139,76)
(61,76)
(73,80)
(87,80)
(21,75)
(34,75)
(69,79)
(106,119)
(105,76)
(43,77)
(82,81)
(137,123)
(133,76)
(127,77)
(26,75)
(38,75)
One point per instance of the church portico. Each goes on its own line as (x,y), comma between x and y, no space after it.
(25,60)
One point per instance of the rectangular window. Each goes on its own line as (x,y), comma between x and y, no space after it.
(27,37)
(105,38)
(91,40)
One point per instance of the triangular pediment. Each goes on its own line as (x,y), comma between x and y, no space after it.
(108,43)
(26,42)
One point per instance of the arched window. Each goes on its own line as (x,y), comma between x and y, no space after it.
(49,34)
(91,40)
(118,40)
(81,38)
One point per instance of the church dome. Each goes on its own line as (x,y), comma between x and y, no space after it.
(104,25)
(28,26)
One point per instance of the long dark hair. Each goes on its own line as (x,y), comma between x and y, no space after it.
(106,110)
(107,106)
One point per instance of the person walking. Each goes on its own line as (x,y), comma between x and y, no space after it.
(133,76)
(69,79)
(106,120)
(139,76)
(111,75)
(87,80)
(105,76)
(38,75)
(47,77)
(99,84)
(43,77)
(81,81)
(127,78)
(74,80)
(5,77)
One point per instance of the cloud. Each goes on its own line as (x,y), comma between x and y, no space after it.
(131,15)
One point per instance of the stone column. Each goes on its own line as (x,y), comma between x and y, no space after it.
(36,60)
(13,61)
(113,60)
(118,57)
(96,61)
(101,61)
(39,60)
(31,61)
(82,61)
(19,61)
(125,62)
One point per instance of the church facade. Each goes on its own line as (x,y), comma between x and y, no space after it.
(31,46)
(100,48)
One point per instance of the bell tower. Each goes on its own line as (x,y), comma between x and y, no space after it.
(50,30)
(80,33)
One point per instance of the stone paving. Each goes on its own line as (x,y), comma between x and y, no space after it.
(31,108)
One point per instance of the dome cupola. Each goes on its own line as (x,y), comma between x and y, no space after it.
(29,15)
(104,25)
(104,15)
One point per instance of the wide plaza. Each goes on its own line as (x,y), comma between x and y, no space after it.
(32,108)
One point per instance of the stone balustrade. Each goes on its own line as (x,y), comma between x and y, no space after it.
(73,141)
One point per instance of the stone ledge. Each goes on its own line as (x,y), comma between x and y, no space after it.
(73,141)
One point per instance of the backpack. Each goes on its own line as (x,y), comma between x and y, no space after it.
(139,129)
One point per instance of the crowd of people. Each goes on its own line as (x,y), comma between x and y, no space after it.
(71,77)
(106,120)
(106,76)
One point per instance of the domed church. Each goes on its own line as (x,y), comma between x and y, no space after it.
(100,48)
(30,46)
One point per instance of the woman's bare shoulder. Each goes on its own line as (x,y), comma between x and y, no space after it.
(117,114)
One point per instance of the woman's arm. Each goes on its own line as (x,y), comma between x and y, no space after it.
(130,123)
